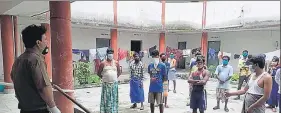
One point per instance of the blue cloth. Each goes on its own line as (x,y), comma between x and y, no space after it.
(167,64)
(223,73)
(158,73)
(198,100)
(101,53)
(136,90)
(274,97)
(212,53)
(193,63)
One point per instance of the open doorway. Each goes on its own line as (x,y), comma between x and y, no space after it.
(136,45)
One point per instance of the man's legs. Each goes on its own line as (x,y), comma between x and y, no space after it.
(174,81)
(240,83)
(160,99)
(151,100)
(218,99)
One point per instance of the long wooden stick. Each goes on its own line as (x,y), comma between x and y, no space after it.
(71,99)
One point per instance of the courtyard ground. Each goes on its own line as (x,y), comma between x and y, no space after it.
(90,98)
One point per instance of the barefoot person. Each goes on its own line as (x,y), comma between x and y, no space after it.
(244,71)
(198,80)
(136,82)
(274,97)
(158,74)
(163,59)
(109,71)
(223,73)
(258,88)
(32,85)
(172,71)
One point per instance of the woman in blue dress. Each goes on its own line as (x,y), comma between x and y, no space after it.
(274,97)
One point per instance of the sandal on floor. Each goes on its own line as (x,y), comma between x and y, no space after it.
(133,106)
(142,108)
(226,109)
(215,108)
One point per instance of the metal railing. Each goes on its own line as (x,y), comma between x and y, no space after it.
(71,99)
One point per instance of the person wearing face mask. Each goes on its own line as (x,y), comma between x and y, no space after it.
(32,85)
(172,70)
(167,64)
(258,89)
(158,74)
(136,82)
(223,73)
(198,80)
(274,97)
(245,71)
(109,71)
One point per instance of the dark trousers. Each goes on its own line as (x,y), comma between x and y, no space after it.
(279,103)
(36,111)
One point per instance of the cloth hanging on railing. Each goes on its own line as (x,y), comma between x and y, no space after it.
(177,52)
(101,53)
(122,54)
(212,53)
(93,53)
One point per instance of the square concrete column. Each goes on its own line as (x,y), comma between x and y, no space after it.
(162,43)
(113,42)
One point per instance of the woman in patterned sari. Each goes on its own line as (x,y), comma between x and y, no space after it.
(109,71)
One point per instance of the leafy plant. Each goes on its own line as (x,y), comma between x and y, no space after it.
(82,72)
(94,79)
(235,77)
(212,70)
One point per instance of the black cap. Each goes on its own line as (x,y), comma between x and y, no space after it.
(109,51)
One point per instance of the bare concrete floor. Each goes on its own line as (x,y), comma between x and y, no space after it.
(90,98)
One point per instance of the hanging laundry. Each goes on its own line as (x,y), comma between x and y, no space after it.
(93,53)
(212,53)
(141,54)
(131,53)
(186,52)
(101,53)
(122,54)
(178,53)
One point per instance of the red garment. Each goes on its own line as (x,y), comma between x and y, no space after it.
(97,64)
(122,54)
(177,52)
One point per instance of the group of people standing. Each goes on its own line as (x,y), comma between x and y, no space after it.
(160,69)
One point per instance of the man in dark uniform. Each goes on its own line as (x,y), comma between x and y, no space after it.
(31,82)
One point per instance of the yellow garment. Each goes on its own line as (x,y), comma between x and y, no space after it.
(131,53)
(244,69)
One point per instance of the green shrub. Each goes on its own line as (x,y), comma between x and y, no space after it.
(235,77)
(82,72)
(94,79)
(212,70)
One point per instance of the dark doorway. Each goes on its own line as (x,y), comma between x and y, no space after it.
(102,42)
(181,61)
(213,50)
(136,45)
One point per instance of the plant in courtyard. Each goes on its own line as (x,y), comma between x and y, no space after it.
(212,70)
(83,73)
(235,77)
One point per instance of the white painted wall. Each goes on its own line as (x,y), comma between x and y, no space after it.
(233,42)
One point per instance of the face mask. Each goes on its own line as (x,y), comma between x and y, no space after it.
(45,51)
(155,60)
(224,62)
(245,54)
(172,56)
(110,56)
